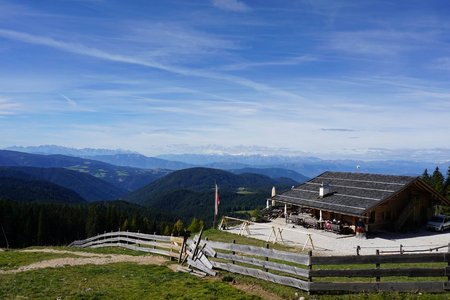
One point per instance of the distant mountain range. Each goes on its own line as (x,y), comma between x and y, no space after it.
(411,162)
(53,149)
(140,161)
(310,166)
(275,173)
(122,177)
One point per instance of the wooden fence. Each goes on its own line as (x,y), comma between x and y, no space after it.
(428,272)
(158,244)
(320,273)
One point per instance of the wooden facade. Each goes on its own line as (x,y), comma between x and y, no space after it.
(381,202)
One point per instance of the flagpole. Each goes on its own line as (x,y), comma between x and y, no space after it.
(215,205)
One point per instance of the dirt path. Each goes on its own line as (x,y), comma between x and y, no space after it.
(85,259)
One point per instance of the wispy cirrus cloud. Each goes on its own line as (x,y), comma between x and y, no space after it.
(283,62)
(70,101)
(338,129)
(231,5)
(81,49)
(380,42)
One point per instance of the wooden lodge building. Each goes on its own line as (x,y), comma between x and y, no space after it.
(382,202)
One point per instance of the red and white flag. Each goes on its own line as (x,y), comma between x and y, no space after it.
(216,202)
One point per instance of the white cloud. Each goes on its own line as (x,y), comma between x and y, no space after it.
(231,5)
(7,107)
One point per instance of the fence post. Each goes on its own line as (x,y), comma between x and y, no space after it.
(267,258)
(358,248)
(401,249)
(377,266)
(233,252)
(182,248)
(309,266)
(448,264)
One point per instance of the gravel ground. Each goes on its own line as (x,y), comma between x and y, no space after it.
(327,243)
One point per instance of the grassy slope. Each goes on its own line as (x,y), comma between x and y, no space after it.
(115,281)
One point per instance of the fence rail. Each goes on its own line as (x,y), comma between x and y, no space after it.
(151,243)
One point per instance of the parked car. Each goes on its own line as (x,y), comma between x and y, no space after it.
(439,223)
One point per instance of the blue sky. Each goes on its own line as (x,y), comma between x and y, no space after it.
(286,77)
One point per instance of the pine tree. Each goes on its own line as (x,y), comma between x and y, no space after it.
(124,225)
(201,224)
(438,181)
(194,226)
(91,225)
(447,184)
(40,231)
(178,226)
(166,230)
(426,177)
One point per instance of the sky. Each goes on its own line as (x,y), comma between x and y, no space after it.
(286,77)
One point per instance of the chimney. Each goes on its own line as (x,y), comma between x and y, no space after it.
(324,190)
(274,193)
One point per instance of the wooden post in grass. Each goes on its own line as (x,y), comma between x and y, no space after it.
(267,258)
(309,266)
(448,264)
(233,252)
(377,266)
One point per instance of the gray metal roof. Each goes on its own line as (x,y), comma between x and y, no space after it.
(350,193)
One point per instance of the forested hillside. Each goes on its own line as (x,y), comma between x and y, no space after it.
(190,193)
(87,186)
(22,190)
(31,224)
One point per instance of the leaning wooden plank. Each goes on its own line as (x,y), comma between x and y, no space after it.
(204,260)
(259,251)
(381,259)
(410,272)
(289,281)
(199,274)
(433,286)
(183,269)
(207,248)
(197,241)
(266,264)
(198,265)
